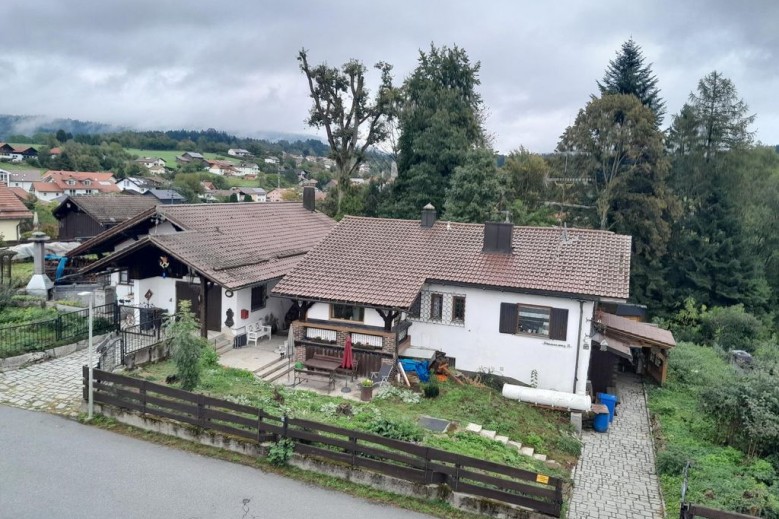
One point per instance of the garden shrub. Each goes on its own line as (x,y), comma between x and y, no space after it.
(431,389)
(280,452)
(671,461)
(186,346)
(731,328)
(209,358)
(395,429)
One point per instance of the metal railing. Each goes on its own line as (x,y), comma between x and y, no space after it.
(142,335)
(66,328)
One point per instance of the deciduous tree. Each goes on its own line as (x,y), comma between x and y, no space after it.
(342,106)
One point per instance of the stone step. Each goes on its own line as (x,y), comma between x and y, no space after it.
(272,368)
(527,451)
(283,373)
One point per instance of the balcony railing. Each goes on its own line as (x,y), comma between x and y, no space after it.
(321,334)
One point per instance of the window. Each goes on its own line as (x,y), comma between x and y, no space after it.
(347,312)
(436,306)
(71,182)
(539,321)
(87,182)
(124,277)
(72,191)
(458,308)
(259,295)
(89,191)
(533,320)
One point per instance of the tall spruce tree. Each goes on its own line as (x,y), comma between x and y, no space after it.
(475,191)
(439,122)
(627,74)
(709,256)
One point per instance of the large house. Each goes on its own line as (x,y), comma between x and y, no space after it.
(225,258)
(12,213)
(519,302)
(16,154)
(238,152)
(138,184)
(191,157)
(54,184)
(82,217)
(222,167)
(150,162)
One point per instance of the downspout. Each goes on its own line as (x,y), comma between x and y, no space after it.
(578,345)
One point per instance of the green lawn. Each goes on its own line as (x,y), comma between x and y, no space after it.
(21,272)
(547,431)
(19,166)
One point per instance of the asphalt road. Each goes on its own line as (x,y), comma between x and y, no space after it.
(51,467)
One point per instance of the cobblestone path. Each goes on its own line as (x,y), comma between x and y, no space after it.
(53,386)
(615,476)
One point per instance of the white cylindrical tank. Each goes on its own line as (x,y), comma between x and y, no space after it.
(548,397)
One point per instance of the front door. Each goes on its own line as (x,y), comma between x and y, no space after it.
(191,293)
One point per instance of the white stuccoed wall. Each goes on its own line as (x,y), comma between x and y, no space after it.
(242,300)
(479,344)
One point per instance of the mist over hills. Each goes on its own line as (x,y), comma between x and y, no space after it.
(29,125)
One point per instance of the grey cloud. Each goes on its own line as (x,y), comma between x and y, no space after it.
(231,64)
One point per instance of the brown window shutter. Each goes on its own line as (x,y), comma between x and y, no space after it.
(508,318)
(558,325)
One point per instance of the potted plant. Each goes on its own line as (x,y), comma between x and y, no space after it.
(366,390)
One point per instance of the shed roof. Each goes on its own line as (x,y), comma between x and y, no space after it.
(11,208)
(107,209)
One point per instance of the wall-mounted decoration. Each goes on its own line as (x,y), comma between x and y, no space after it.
(228,293)
(164,265)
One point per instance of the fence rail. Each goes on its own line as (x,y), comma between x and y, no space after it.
(63,329)
(402,460)
(689,511)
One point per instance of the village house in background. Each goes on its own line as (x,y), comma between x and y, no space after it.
(54,184)
(140,184)
(190,157)
(150,162)
(23,179)
(16,154)
(12,213)
(238,152)
(165,196)
(82,217)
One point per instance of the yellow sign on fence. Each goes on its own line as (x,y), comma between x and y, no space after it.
(540,478)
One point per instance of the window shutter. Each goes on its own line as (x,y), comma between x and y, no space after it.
(558,325)
(508,318)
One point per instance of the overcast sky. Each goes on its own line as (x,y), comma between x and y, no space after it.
(230,65)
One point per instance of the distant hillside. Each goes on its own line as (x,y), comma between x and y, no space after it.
(29,125)
(32,124)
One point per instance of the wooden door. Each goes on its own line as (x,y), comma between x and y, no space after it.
(191,293)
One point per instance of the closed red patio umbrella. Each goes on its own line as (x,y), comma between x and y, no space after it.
(348,360)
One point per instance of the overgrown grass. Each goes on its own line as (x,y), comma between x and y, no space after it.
(169,156)
(548,431)
(720,476)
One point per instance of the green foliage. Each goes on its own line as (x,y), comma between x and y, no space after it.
(7,293)
(209,358)
(396,429)
(474,190)
(431,389)
(706,403)
(627,74)
(568,443)
(440,120)
(280,452)
(186,346)
(731,328)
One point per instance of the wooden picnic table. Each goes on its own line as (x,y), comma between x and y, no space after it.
(322,363)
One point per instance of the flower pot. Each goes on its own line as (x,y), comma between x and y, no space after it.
(366,393)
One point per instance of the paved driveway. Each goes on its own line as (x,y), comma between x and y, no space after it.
(616,477)
(53,386)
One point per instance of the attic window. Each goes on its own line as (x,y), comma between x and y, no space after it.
(87,182)
(71,182)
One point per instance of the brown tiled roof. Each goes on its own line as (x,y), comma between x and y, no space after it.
(611,324)
(101,181)
(11,208)
(235,245)
(384,262)
(20,193)
(108,209)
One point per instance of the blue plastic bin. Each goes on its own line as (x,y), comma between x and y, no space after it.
(609,401)
(601,422)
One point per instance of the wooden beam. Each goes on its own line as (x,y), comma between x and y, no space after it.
(203,306)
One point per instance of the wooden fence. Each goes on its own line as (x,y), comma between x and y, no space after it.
(399,459)
(689,511)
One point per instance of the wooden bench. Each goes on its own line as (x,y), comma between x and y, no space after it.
(302,375)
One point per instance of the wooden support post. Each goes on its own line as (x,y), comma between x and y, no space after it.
(203,307)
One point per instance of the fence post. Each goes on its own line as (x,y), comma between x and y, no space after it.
(201,416)
(353,440)
(85,382)
(259,425)
(284,426)
(58,328)
(143,395)
(428,472)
